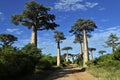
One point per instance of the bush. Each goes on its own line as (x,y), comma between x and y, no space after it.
(117,54)
(47,62)
(15,63)
(34,53)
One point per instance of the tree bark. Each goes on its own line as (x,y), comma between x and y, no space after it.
(91,55)
(67,56)
(80,48)
(34,36)
(58,55)
(85,58)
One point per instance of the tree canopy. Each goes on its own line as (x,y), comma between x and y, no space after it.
(59,36)
(35,15)
(7,39)
(112,41)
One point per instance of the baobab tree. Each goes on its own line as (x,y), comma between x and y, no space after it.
(72,55)
(91,54)
(83,27)
(79,39)
(101,52)
(67,48)
(112,41)
(7,39)
(35,17)
(59,36)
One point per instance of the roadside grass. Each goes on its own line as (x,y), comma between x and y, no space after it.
(104,73)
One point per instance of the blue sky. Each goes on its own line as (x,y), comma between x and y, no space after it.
(106,15)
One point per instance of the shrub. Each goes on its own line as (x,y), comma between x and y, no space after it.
(117,54)
(14,64)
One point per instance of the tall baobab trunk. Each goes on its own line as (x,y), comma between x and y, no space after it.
(85,58)
(34,36)
(91,55)
(58,55)
(67,56)
(72,59)
(80,48)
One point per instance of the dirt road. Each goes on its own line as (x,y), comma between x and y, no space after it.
(71,73)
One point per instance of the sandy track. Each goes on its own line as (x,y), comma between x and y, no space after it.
(70,73)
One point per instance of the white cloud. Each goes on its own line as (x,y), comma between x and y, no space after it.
(17,31)
(72,5)
(1,13)
(101,9)
(104,20)
(91,4)
(2,16)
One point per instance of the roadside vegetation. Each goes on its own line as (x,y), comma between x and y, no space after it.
(106,67)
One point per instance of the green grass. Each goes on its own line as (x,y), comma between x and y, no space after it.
(105,74)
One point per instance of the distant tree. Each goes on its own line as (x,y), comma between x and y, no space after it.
(112,41)
(84,27)
(7,39)
(91,54)
(101,52)
(72,55)
(79,39)
(67,48)
(59,36)
(35,16)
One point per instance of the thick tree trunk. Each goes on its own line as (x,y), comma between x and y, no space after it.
(58,55)
(72,59)
(34,36)
(67,56)
(80,48)
(85,56)
(91,55)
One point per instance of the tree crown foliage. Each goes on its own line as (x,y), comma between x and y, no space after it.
(7,39)
(35,15)
(92,49)
(82,24)
(59,36)
(67,48)
(112,41)
(101,52)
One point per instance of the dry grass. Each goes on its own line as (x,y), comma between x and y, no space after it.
(104,74)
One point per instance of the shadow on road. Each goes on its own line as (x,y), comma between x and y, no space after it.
(64,72)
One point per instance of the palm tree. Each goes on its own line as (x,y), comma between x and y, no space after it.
(35,17)
(101,52)
(91,54)
(83,27)
(67,48)
(59,36)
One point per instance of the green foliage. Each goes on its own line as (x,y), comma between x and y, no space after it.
(81,25)
(7,39)
(67,48)
(35,15)
(33,52)
(47,62)
(59,36)
(14,63)
(117,54)
(112,41)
